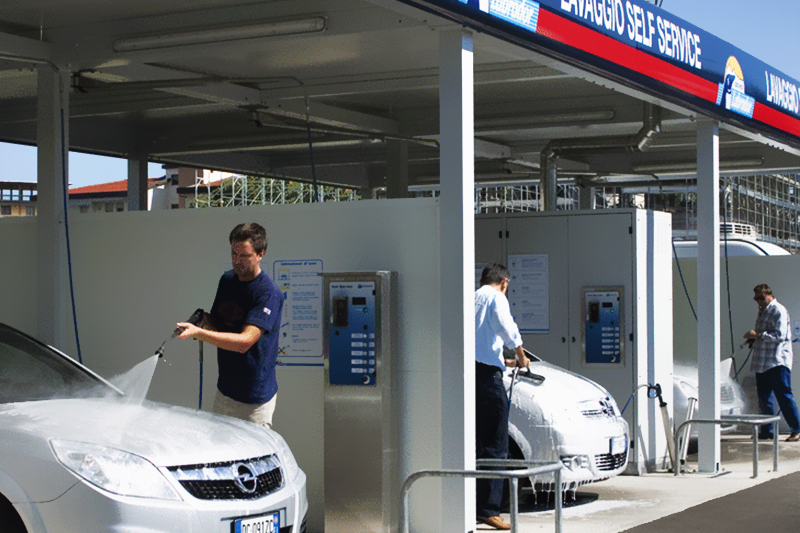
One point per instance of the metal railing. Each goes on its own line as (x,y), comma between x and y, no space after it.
(512,475)
(753,420)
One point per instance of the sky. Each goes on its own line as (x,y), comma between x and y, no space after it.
(765,29)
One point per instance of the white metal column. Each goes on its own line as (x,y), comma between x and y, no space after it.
(456,272)
(708,292)
(137,183)
(52,136)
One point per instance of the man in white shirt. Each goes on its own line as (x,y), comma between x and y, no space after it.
(494,329)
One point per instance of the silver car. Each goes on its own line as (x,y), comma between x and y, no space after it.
(77,454)
(557,415)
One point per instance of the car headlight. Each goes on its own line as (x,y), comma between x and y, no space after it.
(113,470)
(613,404)
(288,463)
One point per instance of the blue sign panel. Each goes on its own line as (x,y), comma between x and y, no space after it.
(635,40)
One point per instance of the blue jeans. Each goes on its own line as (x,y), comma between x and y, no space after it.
(778,381)
(491,434)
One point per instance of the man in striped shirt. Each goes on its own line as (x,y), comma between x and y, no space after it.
(772,360)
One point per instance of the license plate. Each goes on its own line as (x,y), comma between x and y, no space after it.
(270,523)
(619,445)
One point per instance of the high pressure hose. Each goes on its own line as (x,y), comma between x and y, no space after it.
(66,231)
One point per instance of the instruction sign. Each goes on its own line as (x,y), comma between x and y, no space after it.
(529,292)
(301,321)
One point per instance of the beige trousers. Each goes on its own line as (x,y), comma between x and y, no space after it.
(258,413)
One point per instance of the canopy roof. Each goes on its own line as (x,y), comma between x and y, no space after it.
(242,85)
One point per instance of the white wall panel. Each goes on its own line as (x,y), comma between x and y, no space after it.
(18,273)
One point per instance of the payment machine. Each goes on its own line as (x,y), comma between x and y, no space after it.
(603,326)
(360,441)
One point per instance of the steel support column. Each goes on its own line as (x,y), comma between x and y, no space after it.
(457,272)
(137,183)
(708,292)
(52,139)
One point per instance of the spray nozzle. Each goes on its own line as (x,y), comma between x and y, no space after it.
(654,391)
(196,319)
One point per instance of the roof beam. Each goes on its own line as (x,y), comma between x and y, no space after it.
(15,48)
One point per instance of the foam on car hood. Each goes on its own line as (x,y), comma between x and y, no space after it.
(165,435)
(559,384)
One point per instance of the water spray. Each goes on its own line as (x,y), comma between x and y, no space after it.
(196,319)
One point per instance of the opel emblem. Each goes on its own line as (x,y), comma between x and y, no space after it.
(246,479)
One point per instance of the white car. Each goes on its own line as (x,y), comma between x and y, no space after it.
(76,454)
(732,399)
(557,415)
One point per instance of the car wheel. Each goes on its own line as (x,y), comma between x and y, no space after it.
(11,521)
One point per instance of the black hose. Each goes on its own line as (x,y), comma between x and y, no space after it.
(680,272)
(727,275)
(64,167)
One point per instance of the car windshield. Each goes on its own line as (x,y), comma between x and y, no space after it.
(31,371)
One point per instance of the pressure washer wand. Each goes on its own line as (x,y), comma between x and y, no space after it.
(665,418)
(196,319)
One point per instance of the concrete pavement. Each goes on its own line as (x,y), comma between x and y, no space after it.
(627,502)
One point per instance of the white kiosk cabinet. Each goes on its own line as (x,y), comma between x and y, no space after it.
(592,292)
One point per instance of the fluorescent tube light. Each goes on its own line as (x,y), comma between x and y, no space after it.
(221,34)
(679,166)
(598,115)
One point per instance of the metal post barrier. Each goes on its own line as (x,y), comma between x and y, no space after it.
(752,420)
(512,475)
(684,440)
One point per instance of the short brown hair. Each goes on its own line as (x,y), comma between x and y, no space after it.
(252,232)
(764,288)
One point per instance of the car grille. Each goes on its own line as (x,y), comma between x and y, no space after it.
(726,394)
(603,410)
(234,480)
(607,461)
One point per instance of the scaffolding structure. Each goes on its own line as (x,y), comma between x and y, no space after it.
(247,190)
(510,198)
(764,207)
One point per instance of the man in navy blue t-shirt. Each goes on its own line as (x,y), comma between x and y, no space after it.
(244,324)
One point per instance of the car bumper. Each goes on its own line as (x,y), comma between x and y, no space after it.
(603,453)
(87,509)
(587,456)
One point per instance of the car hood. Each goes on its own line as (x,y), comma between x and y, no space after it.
(558,383)
(559,390)
(165,435)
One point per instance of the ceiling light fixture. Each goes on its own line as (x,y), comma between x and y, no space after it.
(598,115)
(221,34)
(683,166)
